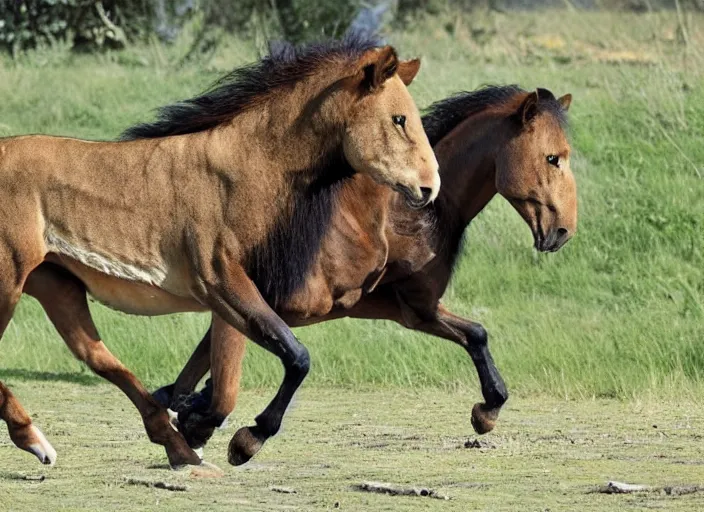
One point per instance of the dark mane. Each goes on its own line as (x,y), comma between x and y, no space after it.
(280,265)
(444,115)
(246,86)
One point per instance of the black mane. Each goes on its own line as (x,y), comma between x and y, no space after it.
(244,87)
(444,115)
(280,265)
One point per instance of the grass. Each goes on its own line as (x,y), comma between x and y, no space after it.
(546,455)
(619,312)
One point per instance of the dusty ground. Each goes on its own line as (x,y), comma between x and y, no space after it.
(544,454)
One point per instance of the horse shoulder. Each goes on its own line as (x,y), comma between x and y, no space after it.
(358,245)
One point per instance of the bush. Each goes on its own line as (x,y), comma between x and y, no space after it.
(293,20)
(87,24)
(94,24)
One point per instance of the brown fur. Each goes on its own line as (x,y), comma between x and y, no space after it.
(390,262)
(501,148)
(167,224)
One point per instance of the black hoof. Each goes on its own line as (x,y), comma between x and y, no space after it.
(196,428)
(244,445)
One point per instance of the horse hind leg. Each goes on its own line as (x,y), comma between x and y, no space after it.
(23,433)
(71,317)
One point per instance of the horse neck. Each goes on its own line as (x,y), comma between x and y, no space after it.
(467,157)
(303,170)
(293,134)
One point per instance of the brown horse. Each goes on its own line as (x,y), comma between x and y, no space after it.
(495,140)
(193,212)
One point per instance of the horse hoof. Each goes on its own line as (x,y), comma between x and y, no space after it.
(243,446)
(483,419)
(41,447)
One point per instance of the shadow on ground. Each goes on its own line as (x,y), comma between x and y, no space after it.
(84,379)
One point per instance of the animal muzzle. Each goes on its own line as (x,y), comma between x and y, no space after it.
(422,194)
(553,241)
(416,197)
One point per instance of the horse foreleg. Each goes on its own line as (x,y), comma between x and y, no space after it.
(474,339)
(178,394)
(63,298)
(234,297)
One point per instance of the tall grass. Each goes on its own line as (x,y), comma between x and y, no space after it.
(619,311)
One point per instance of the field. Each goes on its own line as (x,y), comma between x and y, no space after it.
(584,337)
(548,454)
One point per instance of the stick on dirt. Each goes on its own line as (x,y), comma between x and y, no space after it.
(395,490)
(157,485)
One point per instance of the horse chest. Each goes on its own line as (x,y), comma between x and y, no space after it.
(349,264)
(411,244)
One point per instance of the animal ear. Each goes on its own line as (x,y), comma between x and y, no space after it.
(528,108)
(383,66)
(565,101)
(544,94)
(407,70)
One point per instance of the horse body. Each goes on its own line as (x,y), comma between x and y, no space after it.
(192,212)
(421,246)
(75,189)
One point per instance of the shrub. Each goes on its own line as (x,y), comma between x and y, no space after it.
(87,24)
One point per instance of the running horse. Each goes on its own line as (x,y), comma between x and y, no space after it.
(192,212)
(496,140)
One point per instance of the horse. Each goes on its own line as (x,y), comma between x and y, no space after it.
(192,212)
(496,140)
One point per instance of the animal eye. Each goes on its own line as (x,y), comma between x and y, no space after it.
(554,160)
(399,120)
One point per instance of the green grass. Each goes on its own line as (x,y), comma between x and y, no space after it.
(545,455)
(618,312)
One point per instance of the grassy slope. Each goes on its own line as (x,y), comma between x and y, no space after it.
(618,311)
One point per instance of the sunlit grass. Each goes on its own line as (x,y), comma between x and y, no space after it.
(618,312)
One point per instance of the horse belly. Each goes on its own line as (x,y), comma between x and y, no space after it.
(130,297)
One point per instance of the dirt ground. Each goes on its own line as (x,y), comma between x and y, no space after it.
(544,454)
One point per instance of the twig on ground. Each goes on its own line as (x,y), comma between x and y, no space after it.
(679,490)
(157,485)
(614,487)
(283,490)
(34,478)
(394,490)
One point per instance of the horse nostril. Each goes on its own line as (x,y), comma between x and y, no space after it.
(426,192)
(561,233)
